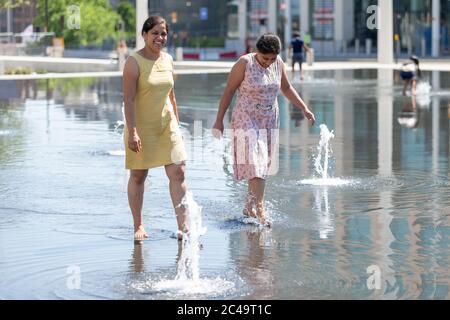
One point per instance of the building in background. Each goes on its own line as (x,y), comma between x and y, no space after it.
(334,28)
(19,18)
(195,23)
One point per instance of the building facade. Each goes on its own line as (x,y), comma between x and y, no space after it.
(350,27)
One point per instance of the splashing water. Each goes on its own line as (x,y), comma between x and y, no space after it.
(118,125)
(188,264)
(323,148)
(188,281)
(423,91)
(321,161)
(423,88)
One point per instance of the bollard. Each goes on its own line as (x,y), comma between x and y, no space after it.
(179,54)
(2,67)
(368,47)
(409,45)
(310,57)
(357,46)
(397,47)
(423,47)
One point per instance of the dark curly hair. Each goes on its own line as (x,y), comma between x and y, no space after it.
(154,21)
(268,43)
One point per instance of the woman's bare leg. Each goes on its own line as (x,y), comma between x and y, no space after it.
(136,185)
(177,188)
(257,187)
(249,204)
(413,87)
(405,87)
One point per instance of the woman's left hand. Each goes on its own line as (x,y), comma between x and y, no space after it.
(309,115)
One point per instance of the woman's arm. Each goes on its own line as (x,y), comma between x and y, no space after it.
(235,79)
(292,95)
(174,104)
(172,98)
(130,79)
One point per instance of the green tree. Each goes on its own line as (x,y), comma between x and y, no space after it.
(128,14)
(10,4)
(97,21)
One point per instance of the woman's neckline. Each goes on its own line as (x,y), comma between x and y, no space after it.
(259,64)
(153,60)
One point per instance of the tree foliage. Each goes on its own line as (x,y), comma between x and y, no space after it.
(11,4)
(128,14)
(97,21)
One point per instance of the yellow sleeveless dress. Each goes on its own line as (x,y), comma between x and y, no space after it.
(156,123)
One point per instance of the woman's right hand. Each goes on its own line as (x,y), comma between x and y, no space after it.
(217,129)
(134,142)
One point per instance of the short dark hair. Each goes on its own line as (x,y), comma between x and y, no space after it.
(415,59)
(268,43)
(153,21)
(296,34)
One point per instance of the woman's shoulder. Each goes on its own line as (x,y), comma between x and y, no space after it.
(244,60)
(167,55)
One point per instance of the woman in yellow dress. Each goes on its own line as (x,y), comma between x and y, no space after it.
(152,135)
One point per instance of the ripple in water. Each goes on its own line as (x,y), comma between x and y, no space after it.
(188,281)
(328,182)
(127,234)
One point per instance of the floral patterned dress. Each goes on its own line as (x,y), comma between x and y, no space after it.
(254,121)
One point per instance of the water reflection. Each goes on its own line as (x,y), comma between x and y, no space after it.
(56,138)
(254,260)
(409,116)
(137,263)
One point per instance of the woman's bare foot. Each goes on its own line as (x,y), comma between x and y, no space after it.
(261,214)
(140,233)
(249,212)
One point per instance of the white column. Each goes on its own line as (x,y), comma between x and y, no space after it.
(385,120)
(9,20)
(385,22)
(339,22)
(381,232)
(436,25)
(383,237)
(436,85)
(304,16)
(343,21)
(242,21)
(287,27)
(141,16)
(272,12)
(343,125)
(435,135)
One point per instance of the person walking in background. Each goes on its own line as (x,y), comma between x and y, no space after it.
(258,77)
(152,135)
(296,53)
(122,54)
(409,73)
